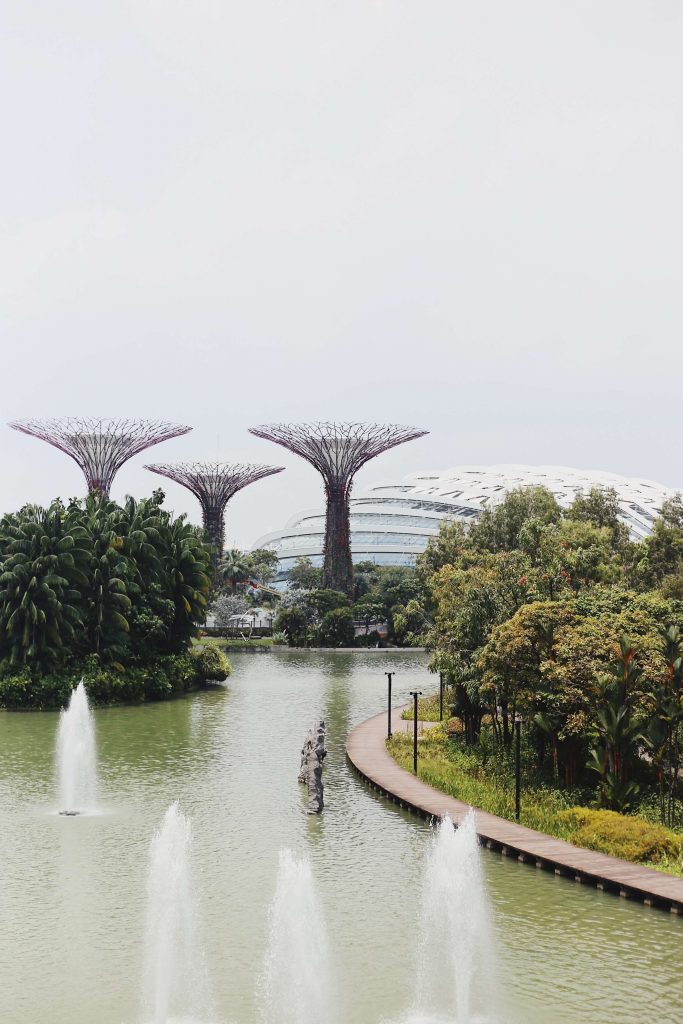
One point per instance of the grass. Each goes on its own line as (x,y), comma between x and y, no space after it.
(223,642)
(488,784)
(427,709)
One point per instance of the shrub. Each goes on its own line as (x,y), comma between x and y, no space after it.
(621,835)
(454,727)
(336,629)
(294,623)
(372,639)
(110,684)
(211,663)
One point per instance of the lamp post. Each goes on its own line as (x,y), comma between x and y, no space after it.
(441,696)
(389,677)
(415,694)
(518,766)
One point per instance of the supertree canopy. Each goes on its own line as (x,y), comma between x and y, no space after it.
(337,451)
(100,446)
(214,484)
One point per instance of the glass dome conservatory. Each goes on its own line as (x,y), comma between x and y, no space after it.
(392,523)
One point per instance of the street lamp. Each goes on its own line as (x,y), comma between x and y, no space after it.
(441,696)
(415,694)
(389,676)
(518,765)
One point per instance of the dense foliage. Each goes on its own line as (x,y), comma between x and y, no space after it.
(390,598)
(559,618)
(96,587)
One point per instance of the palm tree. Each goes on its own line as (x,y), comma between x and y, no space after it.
(233,568)
(43,553)
(186,565)
(110,581)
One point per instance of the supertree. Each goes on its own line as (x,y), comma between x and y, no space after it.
(100,446)
(213,484)
(337,451)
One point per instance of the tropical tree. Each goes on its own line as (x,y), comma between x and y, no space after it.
(110,581)
(44,552)
(186,566)
(304,576)
(233,568)
(263,565)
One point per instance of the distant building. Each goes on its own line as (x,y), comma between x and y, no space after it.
(392,523)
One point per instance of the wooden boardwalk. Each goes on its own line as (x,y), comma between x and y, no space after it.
(366,750)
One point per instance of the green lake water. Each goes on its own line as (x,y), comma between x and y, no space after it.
(72,890)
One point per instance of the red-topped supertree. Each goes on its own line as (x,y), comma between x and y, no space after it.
(100,446)
(213,484)
(337,451)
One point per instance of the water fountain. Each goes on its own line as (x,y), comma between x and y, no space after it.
(76,761)
(296,983)
(175,982)
(456,974)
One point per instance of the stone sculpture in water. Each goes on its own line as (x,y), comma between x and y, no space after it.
(311,773)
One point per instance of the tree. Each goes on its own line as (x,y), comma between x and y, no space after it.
(294,623)
(364,578)
(409,622)
(44,553)
(187,567)
(368,611)
(304,576)
(599,507)
(225,607)
(336,628)
(444,549)
(322,601)
(499,527)
(616,731)
(233,568)
(263,565)
(663,550)
(110,581)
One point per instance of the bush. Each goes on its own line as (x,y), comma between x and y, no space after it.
(292,622)
(169,674)
(211,663)
(454,727)
(372,639)
(621,835)
(336,629)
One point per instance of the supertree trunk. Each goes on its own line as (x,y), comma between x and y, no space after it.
(214,527)
(338,565)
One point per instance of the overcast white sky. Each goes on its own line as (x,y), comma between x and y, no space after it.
(462,215)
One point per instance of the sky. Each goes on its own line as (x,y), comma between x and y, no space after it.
(462,216)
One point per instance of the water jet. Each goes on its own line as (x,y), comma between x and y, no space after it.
(76,756)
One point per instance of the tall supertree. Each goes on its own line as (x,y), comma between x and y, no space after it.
(337,451)
(100,446)
(213,484)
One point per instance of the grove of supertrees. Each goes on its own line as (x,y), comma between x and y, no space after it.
(337,451)
(100,446)
(213,484)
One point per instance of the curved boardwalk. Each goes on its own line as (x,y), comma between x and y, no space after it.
(366,750)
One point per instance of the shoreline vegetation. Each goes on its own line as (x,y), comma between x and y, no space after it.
(111,594)
(484,779)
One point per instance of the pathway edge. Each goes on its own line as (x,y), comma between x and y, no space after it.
(366,752)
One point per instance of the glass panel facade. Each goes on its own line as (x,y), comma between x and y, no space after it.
(362,519)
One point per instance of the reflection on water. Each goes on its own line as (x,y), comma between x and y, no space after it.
(72,914)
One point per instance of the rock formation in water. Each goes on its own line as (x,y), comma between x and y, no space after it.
(311,773)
